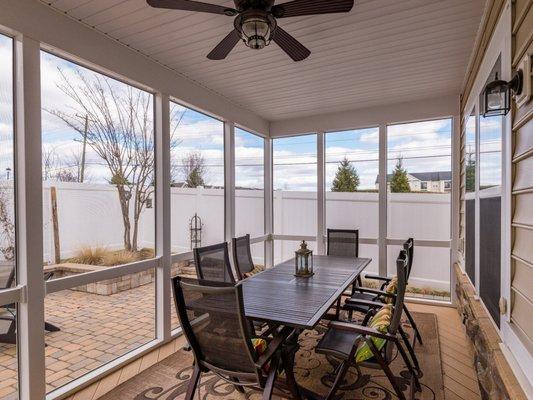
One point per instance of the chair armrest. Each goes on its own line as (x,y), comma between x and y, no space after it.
(362,330)
(273,346)
(353,303)
(378,278)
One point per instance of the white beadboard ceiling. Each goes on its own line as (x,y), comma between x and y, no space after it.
(384,51)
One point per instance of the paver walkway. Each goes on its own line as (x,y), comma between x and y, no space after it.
(94,330)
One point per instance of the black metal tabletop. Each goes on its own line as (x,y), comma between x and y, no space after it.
(276,295)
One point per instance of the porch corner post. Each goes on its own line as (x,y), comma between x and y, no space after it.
(455,199)
(162,212)
(269,203)
(229,181)
(29,219)
(383,198)
(320,193)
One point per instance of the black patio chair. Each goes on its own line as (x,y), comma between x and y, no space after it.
(10,311)
(343,243)
(212,317)
(212,263)
(369,294)
(244,265)
(242,257)
(343,340)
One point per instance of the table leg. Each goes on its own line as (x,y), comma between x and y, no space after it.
(288,354)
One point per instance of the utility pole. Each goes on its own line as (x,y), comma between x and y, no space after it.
(82,172)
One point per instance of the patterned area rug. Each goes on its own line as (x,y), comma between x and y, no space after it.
(168,379)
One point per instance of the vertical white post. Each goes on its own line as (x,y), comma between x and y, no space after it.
(162,212)
(29,219)
(269,204)
(229,180)
(455,199)
(477,200)
(383,198)
(320,193)
(507,179)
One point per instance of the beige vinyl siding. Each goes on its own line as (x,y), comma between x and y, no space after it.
(522,188)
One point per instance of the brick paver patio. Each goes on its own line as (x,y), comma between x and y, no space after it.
(94,330)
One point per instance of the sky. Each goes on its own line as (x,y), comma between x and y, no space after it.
(424,146)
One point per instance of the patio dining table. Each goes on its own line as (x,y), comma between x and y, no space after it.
(277,296)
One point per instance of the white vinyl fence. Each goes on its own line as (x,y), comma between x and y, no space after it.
(89,215)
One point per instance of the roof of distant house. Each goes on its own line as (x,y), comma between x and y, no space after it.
(426,176)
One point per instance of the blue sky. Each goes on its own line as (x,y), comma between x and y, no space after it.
(425,146)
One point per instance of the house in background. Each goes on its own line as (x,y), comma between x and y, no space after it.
(434,182)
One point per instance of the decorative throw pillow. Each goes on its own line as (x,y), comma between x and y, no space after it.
(256,270)
(391,288)
(379,322)
(260,346)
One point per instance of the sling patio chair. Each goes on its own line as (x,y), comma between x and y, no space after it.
(371,346)
(343,243)
(10,310)
(212,263)
(244,265)
(242,258)
(212,317)
(364,293)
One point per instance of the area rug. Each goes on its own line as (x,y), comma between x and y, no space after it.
(168,379)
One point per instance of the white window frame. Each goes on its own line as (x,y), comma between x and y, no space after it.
(383,239)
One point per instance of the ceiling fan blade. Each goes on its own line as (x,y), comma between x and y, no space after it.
(189,5)
(290,45)
(297,8)
(227,44)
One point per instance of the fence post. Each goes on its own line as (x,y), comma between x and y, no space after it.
(55,225)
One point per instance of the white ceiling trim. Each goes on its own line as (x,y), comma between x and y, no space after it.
(426,109)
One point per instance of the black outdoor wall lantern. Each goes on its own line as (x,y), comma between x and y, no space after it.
(497,95)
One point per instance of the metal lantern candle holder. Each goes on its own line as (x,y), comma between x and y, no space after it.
(303,261)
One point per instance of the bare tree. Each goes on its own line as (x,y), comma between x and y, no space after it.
(194,169)
(62,169)
(7,224)
(176,117)
(75,162)
(65,175)
(120,132)
(49,160)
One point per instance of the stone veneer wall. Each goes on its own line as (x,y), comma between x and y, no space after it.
(496,379)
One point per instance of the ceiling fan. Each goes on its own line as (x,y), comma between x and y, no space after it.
(256,21)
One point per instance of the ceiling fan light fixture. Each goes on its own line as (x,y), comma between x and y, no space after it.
(255,21)
(256,32)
